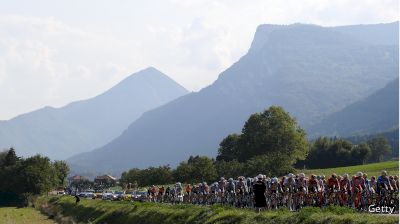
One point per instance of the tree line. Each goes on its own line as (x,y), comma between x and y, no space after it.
(332,152)
(20,177)
(271,143)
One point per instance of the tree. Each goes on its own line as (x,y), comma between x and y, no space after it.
(229,169)
(196,169)
(267,165)
(228,148)
(273,135)
(379,148)
(133,175)
(36,175)
(183,172)
(61,170)
(11,158)
(361,153)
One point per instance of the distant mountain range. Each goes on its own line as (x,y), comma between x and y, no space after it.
(84,125)
(311,71)
(378,112)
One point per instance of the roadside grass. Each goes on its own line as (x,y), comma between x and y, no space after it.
(372,169)
(12,215)
(97,211)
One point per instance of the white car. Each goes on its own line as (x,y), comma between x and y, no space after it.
(87,194)
(108,195)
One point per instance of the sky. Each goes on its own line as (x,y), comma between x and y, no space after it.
(56,52)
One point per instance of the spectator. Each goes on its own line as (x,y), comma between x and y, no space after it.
(259,189)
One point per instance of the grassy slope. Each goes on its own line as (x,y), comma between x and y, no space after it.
(97,211)
(12,215)
(371,169)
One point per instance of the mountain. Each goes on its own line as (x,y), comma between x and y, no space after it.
(83,125)
(378,112)
(310,70)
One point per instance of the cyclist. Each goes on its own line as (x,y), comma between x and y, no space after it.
(249,183)
(393,183)
(358,186)
(153,193)
(221,185)
(214,188)
(372,184)
(313,184)
(290,183)
(333,183)
(273,190)
(161,192)
(289,189)
(383,182)
(241,190)
(188,189)
(333,186)
(178,192)
(396,179)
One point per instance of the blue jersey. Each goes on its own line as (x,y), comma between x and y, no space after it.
(383,180)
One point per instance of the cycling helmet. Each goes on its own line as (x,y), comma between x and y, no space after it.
(230,179)
(391,177)
(359,174)
(222,178)
(373,178)
(345,176)
(395,177)
(384,173)
(312,176)
(334,175)
(302,175)
(290,175)
(260,176)
(322,176)
(365,175)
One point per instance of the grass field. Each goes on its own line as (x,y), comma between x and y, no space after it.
(373,169)
(12,215)
(97,211)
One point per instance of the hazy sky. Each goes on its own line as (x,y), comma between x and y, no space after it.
(55,52)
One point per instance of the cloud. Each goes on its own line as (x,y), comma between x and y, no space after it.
(55,54)
(43,61)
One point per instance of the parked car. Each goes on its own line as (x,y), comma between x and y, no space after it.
(87,194)
(107,195)
(139,196)
(119,195)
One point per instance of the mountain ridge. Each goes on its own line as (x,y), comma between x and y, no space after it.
(376,113)
(318,74)
(85,124)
